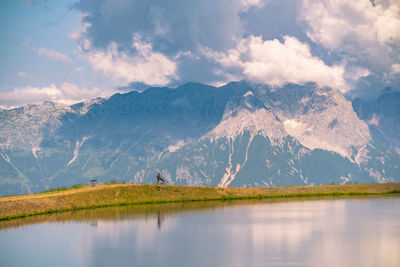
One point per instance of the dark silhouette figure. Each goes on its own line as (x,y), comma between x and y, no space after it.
(160,219)
(160,180)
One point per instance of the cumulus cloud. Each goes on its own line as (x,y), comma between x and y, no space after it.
(334,42)
(137,63)
(171,26)
(364,31)
(175,31)
(275,63)
(144,66)
(65,93)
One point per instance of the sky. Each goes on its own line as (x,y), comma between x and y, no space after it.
(73,50)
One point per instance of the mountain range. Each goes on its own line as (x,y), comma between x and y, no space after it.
(241,134)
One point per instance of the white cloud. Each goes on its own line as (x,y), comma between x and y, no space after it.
(77,35)
(49,53)
(66,93)
(353,73)
(360,38)
(249,3)
(395,68)
(275,63)
(369,32)
(145,66)
(24,75)
(53,54)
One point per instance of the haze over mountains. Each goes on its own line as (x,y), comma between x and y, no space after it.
(240,134)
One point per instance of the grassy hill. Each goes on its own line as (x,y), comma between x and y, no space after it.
(85,197)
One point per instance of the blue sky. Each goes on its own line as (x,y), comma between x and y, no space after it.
(69,51)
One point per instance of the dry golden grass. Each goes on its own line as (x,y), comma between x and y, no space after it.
(117,195)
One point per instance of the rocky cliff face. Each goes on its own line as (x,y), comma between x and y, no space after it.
(240,134)
(383,117)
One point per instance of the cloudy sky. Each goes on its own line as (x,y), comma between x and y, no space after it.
(69,51)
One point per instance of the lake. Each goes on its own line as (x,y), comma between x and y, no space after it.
(286,232)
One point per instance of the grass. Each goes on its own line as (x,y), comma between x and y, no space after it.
(84,197)
(58,189)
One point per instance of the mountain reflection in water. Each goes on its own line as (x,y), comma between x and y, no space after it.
(295,232)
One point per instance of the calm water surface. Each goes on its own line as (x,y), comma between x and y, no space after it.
(322,232)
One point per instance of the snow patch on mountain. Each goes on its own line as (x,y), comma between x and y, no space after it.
(335,128)
(346,179)
(249,93)
(78,145)
(362,155)
(291,124)
(374,120)
(250,117)
(229,176)
(319,118)
(303,132)
(231,171)
(259,122)
(175,147)
(35,149)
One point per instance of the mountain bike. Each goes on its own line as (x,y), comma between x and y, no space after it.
(161,182)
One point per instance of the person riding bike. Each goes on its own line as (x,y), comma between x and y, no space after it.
(159,178)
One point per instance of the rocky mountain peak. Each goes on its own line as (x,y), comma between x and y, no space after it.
(248,113)
(240,134)
(318,117)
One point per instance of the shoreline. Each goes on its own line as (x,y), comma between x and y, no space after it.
(86,197)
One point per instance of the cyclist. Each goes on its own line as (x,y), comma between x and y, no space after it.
(159,178)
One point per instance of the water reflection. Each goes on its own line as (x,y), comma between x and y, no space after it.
(333,232)
(160,218)
(130,212)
